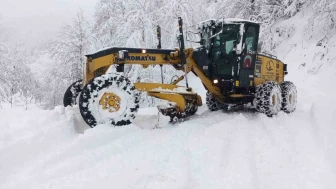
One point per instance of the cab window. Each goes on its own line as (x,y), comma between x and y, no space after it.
(250,41)
(224,41)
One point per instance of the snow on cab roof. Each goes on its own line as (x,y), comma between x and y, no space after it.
(205,23)
(228,20)
(236,20)
(210,22)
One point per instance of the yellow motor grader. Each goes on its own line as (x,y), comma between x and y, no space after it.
(227,63)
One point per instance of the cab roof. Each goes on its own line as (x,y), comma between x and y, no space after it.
(212,22)
(237,20)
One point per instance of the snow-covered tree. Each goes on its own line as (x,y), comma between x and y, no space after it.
(63,62)
(324,12)
(132,23)
(126,23)
(71,46)
(16,74)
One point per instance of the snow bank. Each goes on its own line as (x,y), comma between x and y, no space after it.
(43,149)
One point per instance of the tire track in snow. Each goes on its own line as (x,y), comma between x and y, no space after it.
(253,164)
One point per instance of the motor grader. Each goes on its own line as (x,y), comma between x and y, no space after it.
(227,62)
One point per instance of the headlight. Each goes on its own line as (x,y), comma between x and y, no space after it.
(215,81)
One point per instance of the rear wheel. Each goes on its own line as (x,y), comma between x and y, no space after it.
(71,94)
(289,96)
(111,99)
(268,98)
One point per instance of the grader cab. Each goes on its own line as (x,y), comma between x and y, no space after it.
(227,63)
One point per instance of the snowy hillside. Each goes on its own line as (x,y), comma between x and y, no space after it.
(55,149)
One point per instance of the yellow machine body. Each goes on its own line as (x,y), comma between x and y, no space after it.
(179,95)
(249,68)
(266,69)
(269,69)
(228,62)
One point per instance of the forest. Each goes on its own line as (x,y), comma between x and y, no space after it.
(42,73)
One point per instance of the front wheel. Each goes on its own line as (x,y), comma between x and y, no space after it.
(268,98)
(111,99)
(71,94)
(211,102)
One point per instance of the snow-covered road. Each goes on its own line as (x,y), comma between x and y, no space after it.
(55,149)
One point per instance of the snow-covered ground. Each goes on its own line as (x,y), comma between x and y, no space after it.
(55,149)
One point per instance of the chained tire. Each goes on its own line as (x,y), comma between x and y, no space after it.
(289,96)
(268,98)
(109,99)
(214,105)
(211,102)
(71,94)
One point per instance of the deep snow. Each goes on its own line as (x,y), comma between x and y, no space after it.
(55,149)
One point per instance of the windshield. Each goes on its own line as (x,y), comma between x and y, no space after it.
(225,40)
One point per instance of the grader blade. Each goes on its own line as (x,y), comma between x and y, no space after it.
(183,102)
(171,110)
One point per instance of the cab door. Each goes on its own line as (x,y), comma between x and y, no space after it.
(224,57)
(249,55)
(221,65)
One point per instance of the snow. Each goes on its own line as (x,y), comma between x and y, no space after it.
(178,89)
(239,45)
(207,23)
(55,148)
(236,20)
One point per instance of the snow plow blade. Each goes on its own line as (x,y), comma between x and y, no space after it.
(183,102)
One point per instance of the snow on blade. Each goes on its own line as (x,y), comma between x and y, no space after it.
(177,89)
